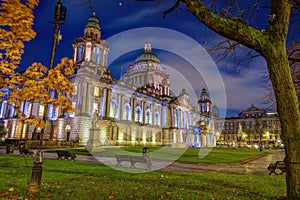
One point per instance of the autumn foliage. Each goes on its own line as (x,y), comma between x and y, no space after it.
(35,84)
(16,20)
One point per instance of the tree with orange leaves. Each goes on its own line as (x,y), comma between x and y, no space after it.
(16,20)
(35,84)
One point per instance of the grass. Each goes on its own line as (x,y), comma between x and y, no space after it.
(192,155)
(220,155)
(78,180)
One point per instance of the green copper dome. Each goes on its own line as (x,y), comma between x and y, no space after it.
(93,22)
(147,55)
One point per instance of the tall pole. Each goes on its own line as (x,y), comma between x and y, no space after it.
(59,14)
(37,169)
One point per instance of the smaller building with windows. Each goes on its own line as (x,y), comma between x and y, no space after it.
(253,126)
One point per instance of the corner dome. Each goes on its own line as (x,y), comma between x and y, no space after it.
(147,55)
(93,22)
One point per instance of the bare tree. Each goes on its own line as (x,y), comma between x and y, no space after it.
(270,41)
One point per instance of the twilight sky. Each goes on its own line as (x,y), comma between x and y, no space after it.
(179,41)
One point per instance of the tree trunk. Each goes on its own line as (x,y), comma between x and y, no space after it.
(271,44)
(288,109)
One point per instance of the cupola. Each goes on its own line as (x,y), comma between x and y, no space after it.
(147,55)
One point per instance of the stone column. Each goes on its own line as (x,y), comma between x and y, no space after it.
(132,109)
(143,110)
(107,105)
(103,102)
(120,107)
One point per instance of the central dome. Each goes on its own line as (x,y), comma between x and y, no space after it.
(147,55)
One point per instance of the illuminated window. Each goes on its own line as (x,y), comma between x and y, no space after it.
(56,112)
(148,116)
(41,110)
(138,114)
(97,91)
(113,108)
(96,55)
(28,109)
(157,119)
(80,53)
(127,112)
(24,131)
(2,109)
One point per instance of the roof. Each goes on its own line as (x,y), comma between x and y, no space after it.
(147,55)
(93,22)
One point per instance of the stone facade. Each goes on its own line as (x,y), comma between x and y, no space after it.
(253,126)
(136,111)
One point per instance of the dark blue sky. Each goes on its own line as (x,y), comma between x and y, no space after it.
(118,16)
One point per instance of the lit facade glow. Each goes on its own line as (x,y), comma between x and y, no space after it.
(136,111)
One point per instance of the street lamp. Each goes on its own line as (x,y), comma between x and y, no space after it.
(37,169)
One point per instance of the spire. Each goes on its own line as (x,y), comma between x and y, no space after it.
(147,48)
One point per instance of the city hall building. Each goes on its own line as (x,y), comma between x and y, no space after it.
(137,111)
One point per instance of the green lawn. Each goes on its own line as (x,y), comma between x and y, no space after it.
(77,180)
(220,155)
(192,155)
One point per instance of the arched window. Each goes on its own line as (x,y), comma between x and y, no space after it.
(68,132)
(113,108)
(126,112)
(148,119)
(3,106)
(157,119)
(41,110)
(96,55)
(138,114)
(80,53)
(203,107)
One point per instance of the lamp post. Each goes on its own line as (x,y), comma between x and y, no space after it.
(37,169)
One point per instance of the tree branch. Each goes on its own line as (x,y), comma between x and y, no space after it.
(298,4)
(172,8)
(294,60)
(230,28)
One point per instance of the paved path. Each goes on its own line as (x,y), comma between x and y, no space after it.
(256,166)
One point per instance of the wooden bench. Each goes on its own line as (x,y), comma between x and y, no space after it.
(133,160)
(26,152)
(277,168)
(65,155)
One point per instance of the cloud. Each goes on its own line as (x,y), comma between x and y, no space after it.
(131,19)
(180,45)
(244,90)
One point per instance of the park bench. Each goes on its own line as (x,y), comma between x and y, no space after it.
(26,152)
(133,160)
(65,155)
(277,168)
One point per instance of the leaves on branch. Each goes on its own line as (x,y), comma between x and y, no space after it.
(33,85)
(37,84)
